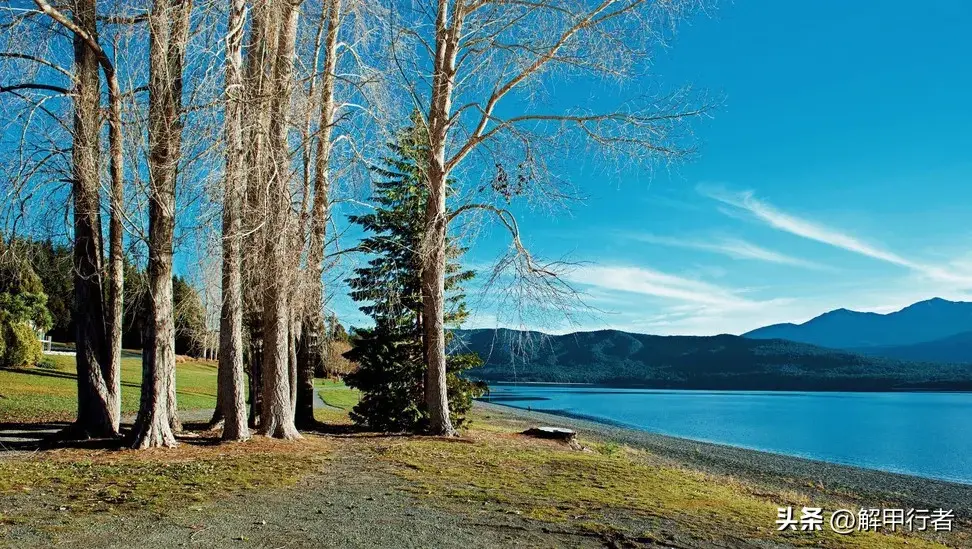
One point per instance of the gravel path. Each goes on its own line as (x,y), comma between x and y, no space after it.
(350,504)
(871,487)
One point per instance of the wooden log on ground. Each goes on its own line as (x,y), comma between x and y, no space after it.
(553,433)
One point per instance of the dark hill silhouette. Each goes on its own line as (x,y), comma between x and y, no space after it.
(924,321)
(616,358)
(954,348)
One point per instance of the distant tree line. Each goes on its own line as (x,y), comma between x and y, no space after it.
(48,266)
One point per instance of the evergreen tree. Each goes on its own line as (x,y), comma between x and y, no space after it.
(23,310)
(390,355)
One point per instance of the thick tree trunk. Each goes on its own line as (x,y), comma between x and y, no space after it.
(168,34)
(95,400)
(434,247)
(277,419)
(314,318)
(433,309)
(88,56)
(116,270)
(260,55)
(230,401)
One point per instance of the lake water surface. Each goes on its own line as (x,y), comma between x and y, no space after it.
(923,434)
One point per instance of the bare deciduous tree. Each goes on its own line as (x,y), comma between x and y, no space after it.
(277,414)
(96,350)
(319,213)
(168,28)
(231,400)
(486,54)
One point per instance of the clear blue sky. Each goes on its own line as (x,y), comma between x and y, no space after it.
(837,173)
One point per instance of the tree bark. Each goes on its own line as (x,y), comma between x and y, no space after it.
(314,319)
(116,268)
(277,418)
(168,34)
(293,329)
(231,404)
(95,401)
(260,53)
(433,307)
(447,34)
(85,31)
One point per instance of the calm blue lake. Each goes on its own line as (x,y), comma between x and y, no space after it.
(923,434)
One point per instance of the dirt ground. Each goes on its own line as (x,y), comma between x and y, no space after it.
(355,493)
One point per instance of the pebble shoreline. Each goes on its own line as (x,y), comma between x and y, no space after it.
(876,488)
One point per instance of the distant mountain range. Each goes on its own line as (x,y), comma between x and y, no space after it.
(726,362)
(922,323)
(954,348)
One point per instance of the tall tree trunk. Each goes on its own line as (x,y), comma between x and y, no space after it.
(85,31)
(116,277)
(277,419)
(95,401)
(433,308)
(255,381)
(314,320)
(231,404)
(116,269)
(260,54)
(168,34)
(434,247)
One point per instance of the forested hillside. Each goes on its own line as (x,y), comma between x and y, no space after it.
(688,362)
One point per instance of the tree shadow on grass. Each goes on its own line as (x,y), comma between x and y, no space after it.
(52,435)
(61,375)
(49,435)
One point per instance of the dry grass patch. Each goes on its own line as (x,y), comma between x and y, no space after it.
(124,481)
(609,488)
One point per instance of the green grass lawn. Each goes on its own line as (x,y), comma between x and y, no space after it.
(337,394)
(49,391)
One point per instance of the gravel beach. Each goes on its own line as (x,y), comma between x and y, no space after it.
(867,487)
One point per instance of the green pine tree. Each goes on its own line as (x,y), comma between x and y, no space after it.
(390,358)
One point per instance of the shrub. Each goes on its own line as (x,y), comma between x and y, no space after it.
(20,346)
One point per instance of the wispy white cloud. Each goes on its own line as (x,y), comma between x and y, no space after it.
(649,282)
(770,215)
(733,247)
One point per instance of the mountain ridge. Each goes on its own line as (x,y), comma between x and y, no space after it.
(956,348)
(920,322)
(721,362)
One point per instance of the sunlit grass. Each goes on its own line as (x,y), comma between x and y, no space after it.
(337,394)
(49,392)
(605,489)
(159,480)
